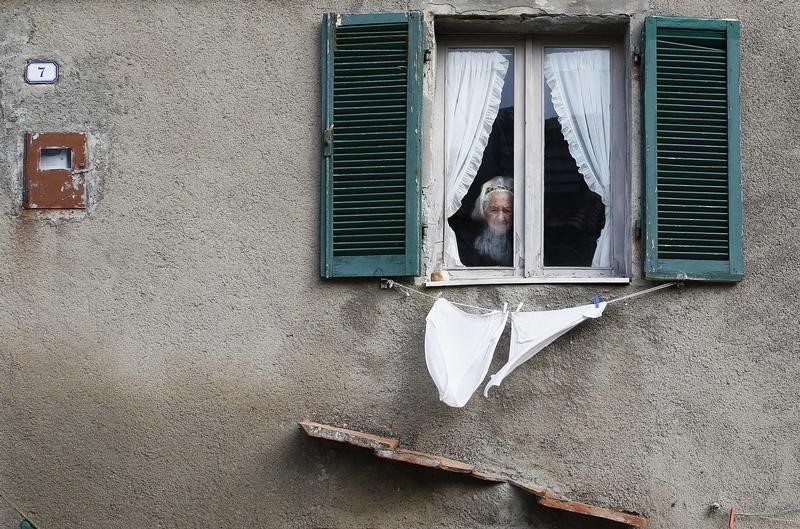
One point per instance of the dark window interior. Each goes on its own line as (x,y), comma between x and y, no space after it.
(498,160)
(574,215)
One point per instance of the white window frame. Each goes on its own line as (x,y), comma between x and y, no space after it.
(529,166)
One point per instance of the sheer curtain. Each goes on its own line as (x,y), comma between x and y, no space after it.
(580,82)
(474,87)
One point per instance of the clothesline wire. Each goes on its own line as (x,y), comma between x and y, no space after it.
(394,284)
(642,292)
(774,516)
(770,515)
(770,518)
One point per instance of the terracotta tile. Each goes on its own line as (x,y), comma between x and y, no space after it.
(425,460)
(485,475)
(408,456)
(591,510)
(452,465)
(342,435)
(386,448)
(531,488)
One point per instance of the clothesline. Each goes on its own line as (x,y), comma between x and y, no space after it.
(393,284)
(642,292)
(773,517)
(459,346)
(734,513)
(769,514)
(407,290)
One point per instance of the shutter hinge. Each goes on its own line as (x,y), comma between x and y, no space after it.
(337,21)
(327,140)
(426,55)
(637,56)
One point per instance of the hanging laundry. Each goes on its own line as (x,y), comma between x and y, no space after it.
(458,349)
(533,331)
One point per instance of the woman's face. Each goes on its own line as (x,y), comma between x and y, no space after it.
(499,212)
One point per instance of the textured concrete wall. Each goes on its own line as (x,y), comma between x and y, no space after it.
(156,353)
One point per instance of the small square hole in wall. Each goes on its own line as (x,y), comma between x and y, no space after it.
(54,170)
(55,159)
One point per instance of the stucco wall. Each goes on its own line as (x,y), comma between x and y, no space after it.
(156,353)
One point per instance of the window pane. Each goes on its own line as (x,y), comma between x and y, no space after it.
(577,141)
(479,156)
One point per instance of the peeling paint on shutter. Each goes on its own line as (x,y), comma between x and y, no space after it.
(692,180)
(370,168)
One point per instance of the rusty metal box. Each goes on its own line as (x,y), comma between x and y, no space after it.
(54,170)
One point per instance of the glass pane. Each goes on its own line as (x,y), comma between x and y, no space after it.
(479,156)
(55,159)
(577,190)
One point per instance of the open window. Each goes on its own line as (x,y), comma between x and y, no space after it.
(531,153)
(526,174)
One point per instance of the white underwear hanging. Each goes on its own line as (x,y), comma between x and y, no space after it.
(533,331)
(458,349)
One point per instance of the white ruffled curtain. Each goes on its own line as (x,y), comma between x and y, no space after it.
(474,87)
(580,82)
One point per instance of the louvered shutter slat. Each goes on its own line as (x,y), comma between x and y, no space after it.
(692,189)
(370,189)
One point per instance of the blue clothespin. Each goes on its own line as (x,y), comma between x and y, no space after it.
(596,301)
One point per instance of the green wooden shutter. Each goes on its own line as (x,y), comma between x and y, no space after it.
(692,174)
(371,97)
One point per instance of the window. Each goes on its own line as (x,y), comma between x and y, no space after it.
(526,171)
(531,156)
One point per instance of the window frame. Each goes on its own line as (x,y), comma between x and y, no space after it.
(518,44)
(529,175)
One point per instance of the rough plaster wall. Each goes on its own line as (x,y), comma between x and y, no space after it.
(156,355)
(8,516)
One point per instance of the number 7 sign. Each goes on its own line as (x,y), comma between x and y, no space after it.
(41,72)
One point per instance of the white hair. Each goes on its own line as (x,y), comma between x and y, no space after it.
(497,247)
(498,184)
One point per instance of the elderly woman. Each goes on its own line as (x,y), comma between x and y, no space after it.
(495,209)
(484,224)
